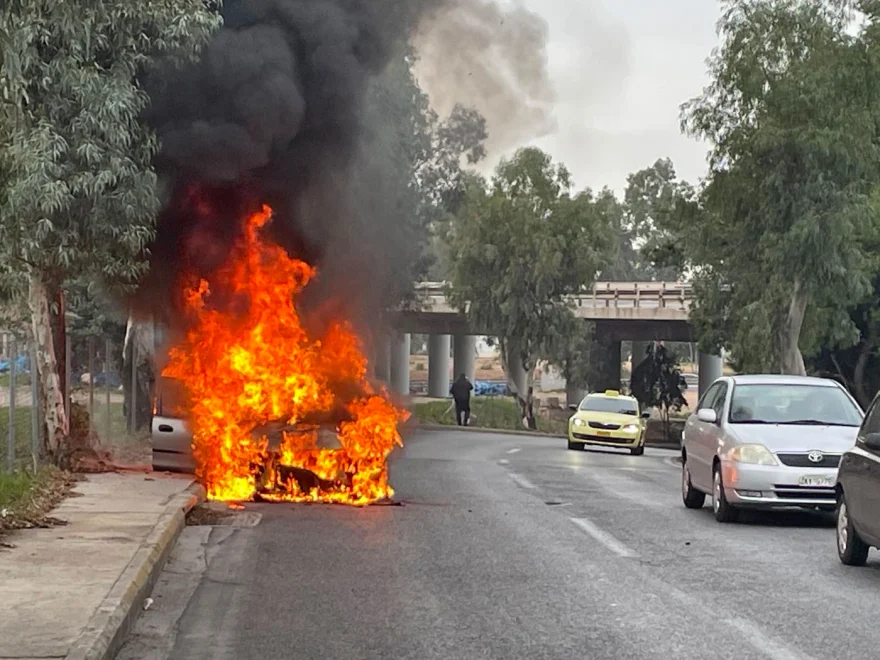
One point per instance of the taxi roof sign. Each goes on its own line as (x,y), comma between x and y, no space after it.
(612,393)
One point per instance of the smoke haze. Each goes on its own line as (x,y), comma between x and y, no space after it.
(274,112)
(480,54)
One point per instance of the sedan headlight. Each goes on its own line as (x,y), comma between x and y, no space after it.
(752,454)
(577,421)
(630,428)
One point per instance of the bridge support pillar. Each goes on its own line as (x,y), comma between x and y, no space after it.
(400,349)
(608,358)
(711,368)
(438,366)
(382,354)
(464,356)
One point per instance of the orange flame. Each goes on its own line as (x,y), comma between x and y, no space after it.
(256,365)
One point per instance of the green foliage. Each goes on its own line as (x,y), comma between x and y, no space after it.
(652,195)
(79,194)
(486,413)
(521,244)
(657,382)
(783,222)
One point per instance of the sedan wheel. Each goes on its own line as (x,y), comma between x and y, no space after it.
(692,498)
(851,549)
(723,511)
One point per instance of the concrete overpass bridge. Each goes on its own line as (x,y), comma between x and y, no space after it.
(640,312)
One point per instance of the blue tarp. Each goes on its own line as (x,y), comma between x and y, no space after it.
(22,365)
(490,388)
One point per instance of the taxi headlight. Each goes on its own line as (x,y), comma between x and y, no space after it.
(630,428)
(752,454)
(577,421)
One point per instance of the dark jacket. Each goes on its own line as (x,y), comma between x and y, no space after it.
(461,389)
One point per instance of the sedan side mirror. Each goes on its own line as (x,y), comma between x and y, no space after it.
(646,415)
(707,415)
(872,440)
(572,407)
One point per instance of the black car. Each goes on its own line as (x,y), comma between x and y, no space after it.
(858,493)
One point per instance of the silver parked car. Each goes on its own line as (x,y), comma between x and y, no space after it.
(767,442)
(171,437)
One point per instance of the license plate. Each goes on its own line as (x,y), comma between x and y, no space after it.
(816,482)
(604,434)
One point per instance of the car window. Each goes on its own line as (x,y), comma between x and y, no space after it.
(872,420)
(171,398)
(708,399)
(610,404)
(793,404)
(720,398)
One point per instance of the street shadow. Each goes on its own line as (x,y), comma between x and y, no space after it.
(787,518)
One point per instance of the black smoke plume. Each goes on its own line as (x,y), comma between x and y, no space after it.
(274,113)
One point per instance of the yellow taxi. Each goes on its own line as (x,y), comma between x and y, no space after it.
(608,419)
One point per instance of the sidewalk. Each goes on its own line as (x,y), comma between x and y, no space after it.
(72,591)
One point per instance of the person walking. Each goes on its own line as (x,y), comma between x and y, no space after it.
(461,393)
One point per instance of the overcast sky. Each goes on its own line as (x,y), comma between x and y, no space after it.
(621,69)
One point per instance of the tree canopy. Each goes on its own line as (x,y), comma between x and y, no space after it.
(777,238)
(518,245)
(79,193)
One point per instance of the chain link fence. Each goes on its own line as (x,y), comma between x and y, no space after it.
(97,382)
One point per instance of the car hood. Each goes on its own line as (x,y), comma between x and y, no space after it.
(606,417)
(795,438)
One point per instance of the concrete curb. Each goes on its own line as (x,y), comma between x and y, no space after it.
(529,434)
(112,621)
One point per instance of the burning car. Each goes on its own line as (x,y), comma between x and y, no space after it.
(267,409)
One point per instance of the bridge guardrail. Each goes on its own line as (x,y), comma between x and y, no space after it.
(642,295)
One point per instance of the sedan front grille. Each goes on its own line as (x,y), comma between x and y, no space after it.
(794,492)
(606,427)
(803,461)
(596,438)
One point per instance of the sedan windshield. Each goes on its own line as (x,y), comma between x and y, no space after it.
(609,405)
(805,405)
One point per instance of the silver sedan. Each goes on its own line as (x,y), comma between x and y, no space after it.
(767,442)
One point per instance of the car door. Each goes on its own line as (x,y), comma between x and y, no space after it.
(861,475)
(716,438)
(698,438)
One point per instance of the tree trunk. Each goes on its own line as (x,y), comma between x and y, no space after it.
(58,316)
(510,351)
(791,360)
(139,340)
(56,420)
(862,395)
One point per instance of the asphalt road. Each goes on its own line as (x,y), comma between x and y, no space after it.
(512,547)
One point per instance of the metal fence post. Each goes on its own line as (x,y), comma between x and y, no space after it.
(91,382)
(132,409)
(10,446)
(108,349)
(35,407)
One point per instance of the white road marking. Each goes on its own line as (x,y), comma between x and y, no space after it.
(604,538)
(515,450)
(770,647)
(522,481)
(503,461)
